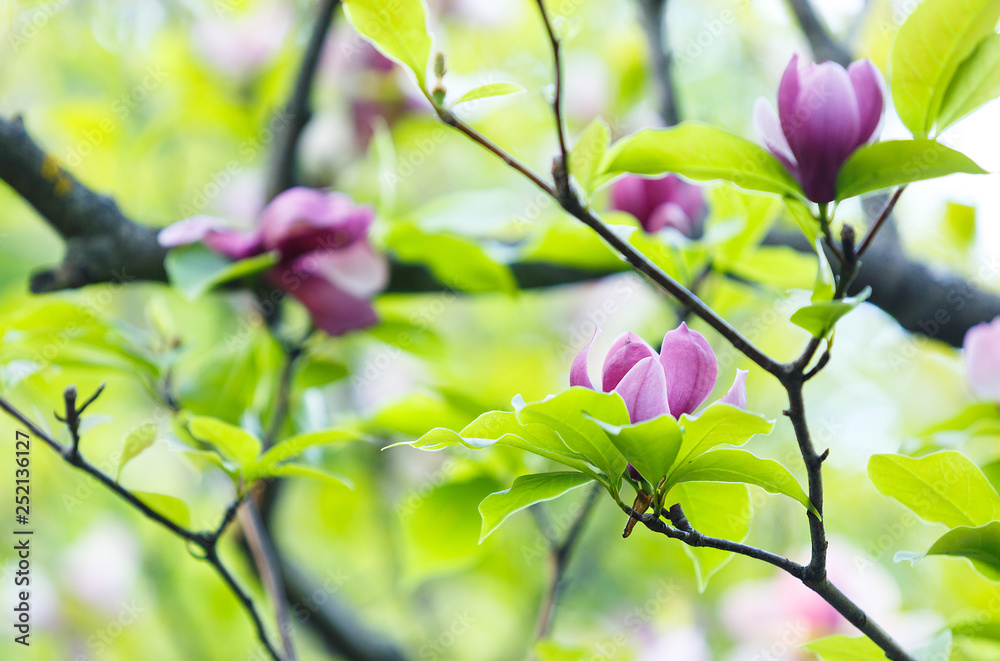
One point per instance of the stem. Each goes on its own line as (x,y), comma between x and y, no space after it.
(816,570)
(269,568)
(821,42)
(561,555)
(558,95)
(654,16)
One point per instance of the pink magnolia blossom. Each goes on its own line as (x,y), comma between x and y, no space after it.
(825,112)
(981,348)
(243,43)
(325,260)
(675,381)
(658,203)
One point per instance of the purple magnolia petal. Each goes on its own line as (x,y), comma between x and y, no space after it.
(769,129)
(332,310)
(981,349)
(357,270)
(303,220)
(578,374)
(737,395)
(190,230)
(788,96)
(672,215)
(825,128)
(690,368)
(235,245)
(627,350)
(629,194)
(644,390)
(869,90)
(691,199)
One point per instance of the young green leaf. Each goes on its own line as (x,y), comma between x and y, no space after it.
(927,51)
(136,442)
(896,162)
(742,467)
(525,492)
(231,441)
(820,318)
(704,153)
(296,445)
(489,90)
(168,507)
(455,260)
(586,155)
(398,29)
(195,269)
(944,487)
(980,545)
(804,218)
(842,648)
(564,413)
(716,509)
(307,472)
(719,424)
(976,82)
(650,446)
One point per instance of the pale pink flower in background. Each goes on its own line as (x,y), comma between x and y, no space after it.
(682,643)
(241,43)
(101,567)
(981,349)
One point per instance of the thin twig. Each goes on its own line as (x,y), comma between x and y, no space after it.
(206,541)
(880,221)
(557,97)
(654,17)
(269,568)
(821,42)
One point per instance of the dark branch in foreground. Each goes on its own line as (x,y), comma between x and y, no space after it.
(924,301)
(207,542)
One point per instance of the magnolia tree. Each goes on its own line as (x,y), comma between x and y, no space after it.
(403,273)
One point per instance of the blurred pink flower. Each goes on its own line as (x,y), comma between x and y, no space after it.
(243,43)
(825,112)
(981,349)
(658,203)
(102,566)
(325,260)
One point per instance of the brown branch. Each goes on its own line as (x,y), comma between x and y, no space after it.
(654,17)
(821,42)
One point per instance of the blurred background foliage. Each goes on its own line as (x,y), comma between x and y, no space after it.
(170,108)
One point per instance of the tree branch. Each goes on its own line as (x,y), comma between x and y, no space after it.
(206,541)
(282,176)
(821,42)
(654,17)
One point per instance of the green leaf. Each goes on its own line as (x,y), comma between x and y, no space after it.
(547,650)
(307,472)
(896,162)
(944,487)
(976,82)
(231,441)
(820,318)
(825,287)
(565,413)
(138,440)
(195,269)
(718,510)
(489,90)
(980,545)
(454,260)
(650,446)
(927,51)
(525,492)
(168,507)
(702,152)
(742,466)
(398,29)
(502,428)
(586,155)
(842,648)
(804,218)
(719,424)
(295,446)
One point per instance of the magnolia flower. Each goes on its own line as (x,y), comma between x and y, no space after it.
(982,359)
(242,44)
(676,381)
(825,112)
(325,260)
(657,203)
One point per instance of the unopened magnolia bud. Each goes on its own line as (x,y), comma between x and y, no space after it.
(438,94)
(439,68)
